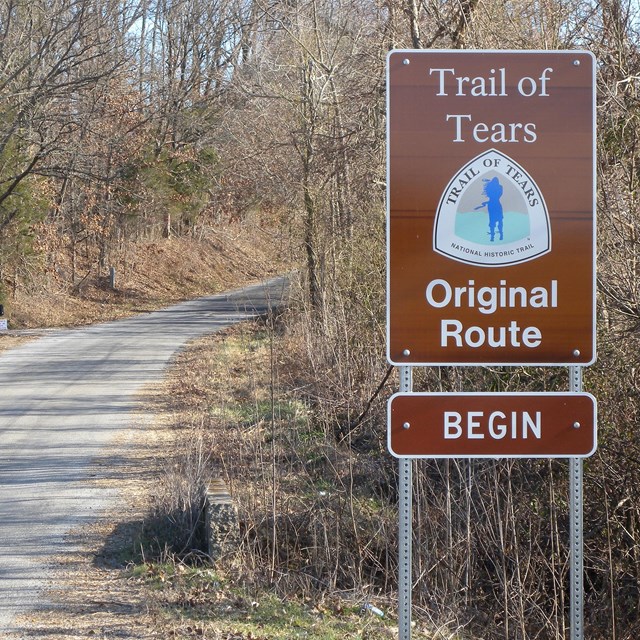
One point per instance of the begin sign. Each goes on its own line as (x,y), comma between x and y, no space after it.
(491,197)
(490,425)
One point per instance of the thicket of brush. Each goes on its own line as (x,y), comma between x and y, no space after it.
(317,492)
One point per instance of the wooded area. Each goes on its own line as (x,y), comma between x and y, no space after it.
(123,120)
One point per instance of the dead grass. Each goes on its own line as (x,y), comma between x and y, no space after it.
(149,275)
(293,487)
(9,340)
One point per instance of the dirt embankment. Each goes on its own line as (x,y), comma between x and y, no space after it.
(148,275)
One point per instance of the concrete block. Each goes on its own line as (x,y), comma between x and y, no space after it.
(221,520)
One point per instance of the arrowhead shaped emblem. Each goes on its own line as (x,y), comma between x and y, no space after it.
(492,214)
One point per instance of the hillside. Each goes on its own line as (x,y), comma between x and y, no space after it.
(149,275)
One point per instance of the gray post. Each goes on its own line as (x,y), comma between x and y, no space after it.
(112,277)
(405,529)
(221,520)
(576,569)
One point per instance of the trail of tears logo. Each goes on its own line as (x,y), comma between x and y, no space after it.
(492,214)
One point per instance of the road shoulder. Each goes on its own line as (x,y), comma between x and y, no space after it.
(91,592)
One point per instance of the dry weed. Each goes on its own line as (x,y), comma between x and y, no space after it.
(149,275)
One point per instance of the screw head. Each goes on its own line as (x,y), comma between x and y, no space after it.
(576,63)
(576,425)
(406,425)
(406,352)
(576,352)
(406,61)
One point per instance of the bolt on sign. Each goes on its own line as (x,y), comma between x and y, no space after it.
(491,198)
(492,425)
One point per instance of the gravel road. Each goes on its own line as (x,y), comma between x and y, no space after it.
(63,398)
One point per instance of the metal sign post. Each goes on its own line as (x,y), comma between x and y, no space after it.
(405,529)
(576,570)
(491,205)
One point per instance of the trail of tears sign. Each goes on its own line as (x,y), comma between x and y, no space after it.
(491,194)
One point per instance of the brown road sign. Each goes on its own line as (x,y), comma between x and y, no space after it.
(491,192)
(492,425)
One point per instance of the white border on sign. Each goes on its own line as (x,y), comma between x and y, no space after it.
(475,363)
(532,394)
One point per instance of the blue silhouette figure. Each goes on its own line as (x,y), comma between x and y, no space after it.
(493,191)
